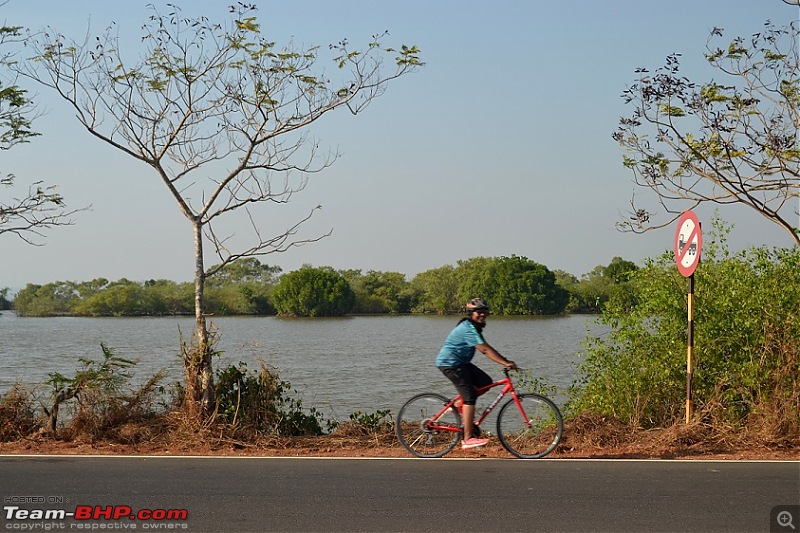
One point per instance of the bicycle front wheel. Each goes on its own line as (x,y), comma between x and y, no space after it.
(533,435)
(425,428)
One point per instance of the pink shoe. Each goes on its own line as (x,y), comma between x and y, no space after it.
(467,444)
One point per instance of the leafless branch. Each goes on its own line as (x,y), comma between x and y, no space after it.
(28,216)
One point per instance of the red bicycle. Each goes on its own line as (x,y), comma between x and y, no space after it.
(528,425)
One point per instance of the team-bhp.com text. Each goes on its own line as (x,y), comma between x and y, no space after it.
(92,517)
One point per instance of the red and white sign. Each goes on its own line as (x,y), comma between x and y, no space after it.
(688,241)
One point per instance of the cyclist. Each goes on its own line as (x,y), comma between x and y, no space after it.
(455,362)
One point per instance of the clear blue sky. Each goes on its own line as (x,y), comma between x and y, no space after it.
(500,145)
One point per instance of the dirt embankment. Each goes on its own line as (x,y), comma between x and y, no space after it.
(583,438)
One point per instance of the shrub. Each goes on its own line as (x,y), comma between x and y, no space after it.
(746,344)
(261,403)
(18,417)
(372,423)
(101,406)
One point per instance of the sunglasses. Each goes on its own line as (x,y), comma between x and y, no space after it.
(481,311)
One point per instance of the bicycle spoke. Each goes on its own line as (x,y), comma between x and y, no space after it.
(532,436)
(423,436)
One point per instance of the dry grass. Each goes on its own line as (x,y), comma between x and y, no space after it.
(17,414)
(134,425)
(590,435)
(584,437)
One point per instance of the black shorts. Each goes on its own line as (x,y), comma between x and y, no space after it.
(467,378)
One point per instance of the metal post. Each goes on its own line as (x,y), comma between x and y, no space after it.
(690,351)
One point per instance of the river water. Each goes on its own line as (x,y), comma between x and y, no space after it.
(338,365)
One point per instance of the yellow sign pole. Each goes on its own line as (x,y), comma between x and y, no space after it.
(688,243)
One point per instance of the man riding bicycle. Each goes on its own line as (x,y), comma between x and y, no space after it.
(455,362)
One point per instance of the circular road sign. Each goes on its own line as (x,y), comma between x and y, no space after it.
(688,241)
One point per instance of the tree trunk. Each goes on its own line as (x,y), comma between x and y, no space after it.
(52,414)
(199,397)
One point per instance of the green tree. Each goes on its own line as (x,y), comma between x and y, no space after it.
(597,287)
(313,292)
(164,297)
(379,292)
(239,299)
(730,140)
(15,107)
(242,288)
(86,289)
(593,290)
(99,297)
(245,270)
(121,298)
(619,270)
(569,283)
(217,111)
(513,286)
(436,291)
(51,299)
(40,207)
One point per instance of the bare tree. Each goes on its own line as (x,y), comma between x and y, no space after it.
(219,113)
(40,207)
(733,140)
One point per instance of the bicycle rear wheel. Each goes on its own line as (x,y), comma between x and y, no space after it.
(422,432)
(536,434)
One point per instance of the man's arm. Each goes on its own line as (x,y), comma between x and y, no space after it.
(495,356)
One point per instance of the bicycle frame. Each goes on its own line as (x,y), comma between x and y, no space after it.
(508,387)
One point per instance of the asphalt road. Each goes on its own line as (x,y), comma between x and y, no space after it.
(440,495)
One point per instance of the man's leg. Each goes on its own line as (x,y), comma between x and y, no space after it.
(468,414)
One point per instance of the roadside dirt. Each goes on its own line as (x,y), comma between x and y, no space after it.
(587,439)
(331,447)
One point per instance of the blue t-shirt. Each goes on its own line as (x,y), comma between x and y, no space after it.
(459,347)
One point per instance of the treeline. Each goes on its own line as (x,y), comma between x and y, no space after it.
(512,286)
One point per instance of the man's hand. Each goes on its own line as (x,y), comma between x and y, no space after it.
(511,365)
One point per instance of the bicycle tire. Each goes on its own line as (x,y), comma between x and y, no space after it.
(416,437)
(534,440)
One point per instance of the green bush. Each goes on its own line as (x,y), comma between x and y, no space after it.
(101,398)
(746,344)
(372,423)
(261,403)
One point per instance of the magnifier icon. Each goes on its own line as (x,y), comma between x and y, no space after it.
(784,519)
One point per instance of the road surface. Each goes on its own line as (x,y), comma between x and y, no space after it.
(201,494)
